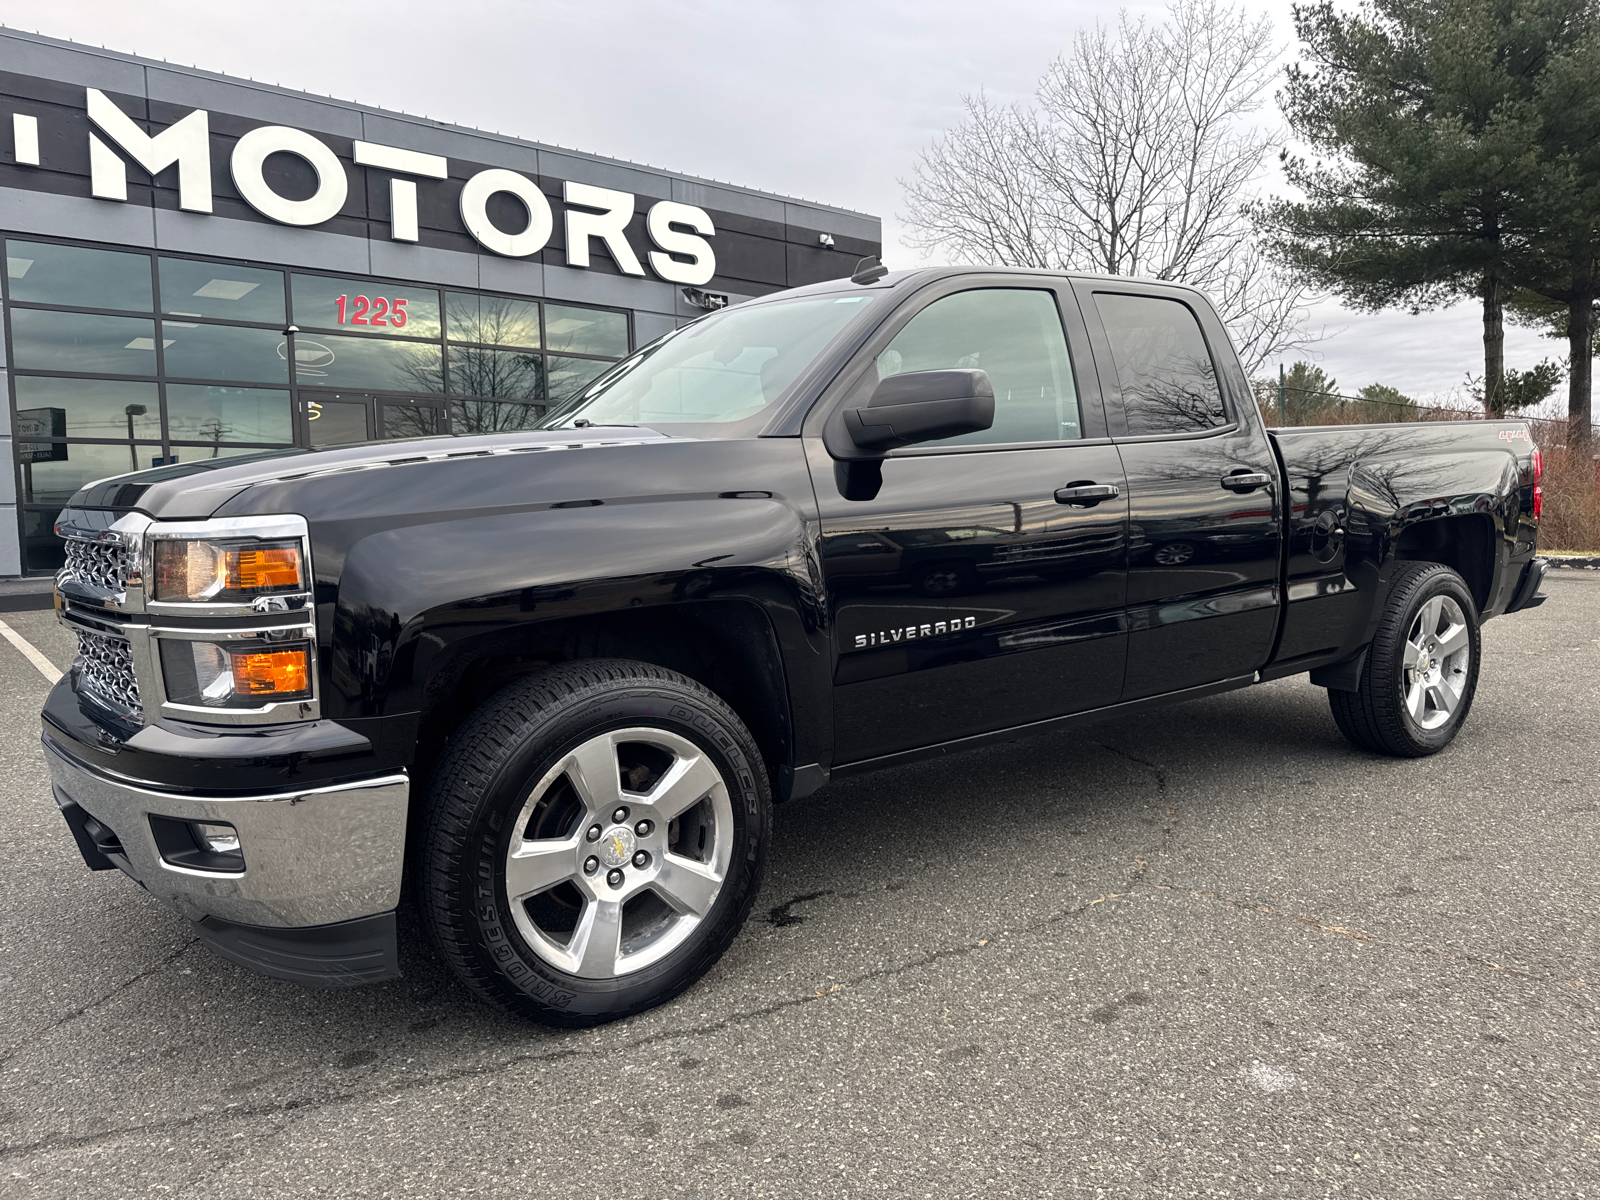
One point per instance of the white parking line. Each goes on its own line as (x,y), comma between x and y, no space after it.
(29,652)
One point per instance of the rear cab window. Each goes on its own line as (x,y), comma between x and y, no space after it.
(1166,374)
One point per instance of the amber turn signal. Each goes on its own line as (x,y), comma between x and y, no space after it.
(275,673)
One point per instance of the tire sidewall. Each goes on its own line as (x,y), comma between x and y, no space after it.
(486,911)
(1447,583)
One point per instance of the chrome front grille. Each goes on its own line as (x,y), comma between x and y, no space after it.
(105,672)
(99,565)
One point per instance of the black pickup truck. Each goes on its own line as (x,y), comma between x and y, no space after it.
(548,684)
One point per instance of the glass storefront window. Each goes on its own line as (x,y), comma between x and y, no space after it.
(92,408)
(363,304)
(475,372)
(192,454)
(377,363)
(569,376)
(41,548)
(58,341)
(490,416)
(409,420)
(195,351)
(198,289)
(493,320)
(570,330)
(197,413)
(54,481)
(40,273)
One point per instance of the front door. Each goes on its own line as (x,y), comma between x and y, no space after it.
(966,597)
(339,418)
(1204,511)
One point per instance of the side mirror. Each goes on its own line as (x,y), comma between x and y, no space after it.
(921,406)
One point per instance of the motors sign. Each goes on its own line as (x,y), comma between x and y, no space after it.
(680,252)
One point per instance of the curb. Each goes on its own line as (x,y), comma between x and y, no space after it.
(1574,562)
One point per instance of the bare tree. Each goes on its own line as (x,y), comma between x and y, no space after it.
(1139,158)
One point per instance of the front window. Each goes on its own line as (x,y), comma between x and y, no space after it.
(719,376)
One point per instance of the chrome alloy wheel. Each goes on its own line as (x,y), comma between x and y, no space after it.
(619,852)
(1438,655)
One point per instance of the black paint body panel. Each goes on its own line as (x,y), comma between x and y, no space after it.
(434,558)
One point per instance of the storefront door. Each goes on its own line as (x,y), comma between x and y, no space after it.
(326,419)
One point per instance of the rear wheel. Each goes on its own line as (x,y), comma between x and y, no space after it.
(1421,671)
(595,839)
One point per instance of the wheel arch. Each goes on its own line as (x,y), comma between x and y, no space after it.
(729,646)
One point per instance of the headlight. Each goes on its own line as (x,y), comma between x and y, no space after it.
(220,571)
(235,674)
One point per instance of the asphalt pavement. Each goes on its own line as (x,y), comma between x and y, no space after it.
(1211,951)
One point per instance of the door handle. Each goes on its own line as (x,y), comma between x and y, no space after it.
(1246,481)
(1087,495)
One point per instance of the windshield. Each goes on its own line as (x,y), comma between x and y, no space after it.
(718,376)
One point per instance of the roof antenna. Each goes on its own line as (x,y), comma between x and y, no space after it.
(869,270)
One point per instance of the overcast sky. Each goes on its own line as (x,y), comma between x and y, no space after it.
(824,99)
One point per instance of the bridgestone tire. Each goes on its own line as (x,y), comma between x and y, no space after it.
(480,785)
(1375,717)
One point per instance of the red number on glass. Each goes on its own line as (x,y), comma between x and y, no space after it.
(359,310)
(379,307)
(339,304)
(399,315)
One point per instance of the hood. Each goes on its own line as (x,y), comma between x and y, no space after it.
(194,491)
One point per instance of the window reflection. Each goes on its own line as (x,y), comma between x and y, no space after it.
(409,420)
(493,320)
(569,376)
(39,273)
(58,341)
(377,363)
(219,415)
(1169,384)
(54,481)
(479,372)
(195,351)
(91,408)
(491,416)
(585,331)
(198,289)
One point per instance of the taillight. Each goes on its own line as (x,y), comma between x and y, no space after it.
(1538,464)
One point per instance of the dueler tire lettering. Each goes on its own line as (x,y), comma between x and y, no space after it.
(480,785)
(1375,717)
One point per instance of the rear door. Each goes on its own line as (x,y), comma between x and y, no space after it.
(1204,519)
(965,597)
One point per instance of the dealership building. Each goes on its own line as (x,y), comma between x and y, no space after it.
(198,266)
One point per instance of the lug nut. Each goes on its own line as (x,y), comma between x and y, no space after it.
(591,865)
(643,828)
(614,877)
(619,816)
(594,833)
(642,859)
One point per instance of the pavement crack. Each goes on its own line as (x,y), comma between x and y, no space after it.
(1172,813)
(84,1010)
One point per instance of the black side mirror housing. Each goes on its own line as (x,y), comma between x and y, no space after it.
(920,406)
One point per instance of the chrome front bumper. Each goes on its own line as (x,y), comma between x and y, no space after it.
(312,857)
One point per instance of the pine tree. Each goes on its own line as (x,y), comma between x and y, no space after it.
(1430,113)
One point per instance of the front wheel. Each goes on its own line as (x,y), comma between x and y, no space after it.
(595,839)
(1421,670)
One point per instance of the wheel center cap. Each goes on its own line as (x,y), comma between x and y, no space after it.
(617,845)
